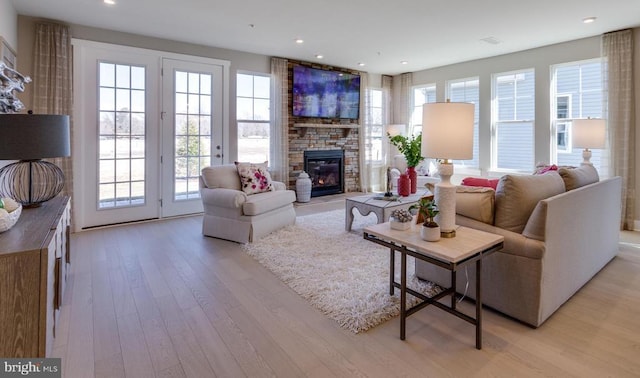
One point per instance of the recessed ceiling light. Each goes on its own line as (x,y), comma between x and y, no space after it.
(361,64)
(404,62)
(299,40)
(588,20)
(109,2)
(319,56)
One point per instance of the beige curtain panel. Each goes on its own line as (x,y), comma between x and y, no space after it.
(617,49)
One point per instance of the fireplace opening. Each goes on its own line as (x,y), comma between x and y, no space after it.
(326,171)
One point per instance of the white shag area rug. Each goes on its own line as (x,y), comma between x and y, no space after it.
(340,273)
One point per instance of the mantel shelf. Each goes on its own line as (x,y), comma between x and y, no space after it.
(346,128)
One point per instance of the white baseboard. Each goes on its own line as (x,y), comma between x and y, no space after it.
(636,225)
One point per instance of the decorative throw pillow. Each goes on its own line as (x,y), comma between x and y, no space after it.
(517,196)
(544,168)
(577,177)
(254,178)
(482,182)
(475,202)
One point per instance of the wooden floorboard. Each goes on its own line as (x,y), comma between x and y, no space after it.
(158,299)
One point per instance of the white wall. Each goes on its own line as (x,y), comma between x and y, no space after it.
(240,61)
(9,23)
(540,59)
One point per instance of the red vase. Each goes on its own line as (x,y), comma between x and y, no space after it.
(404,185)
(413,176)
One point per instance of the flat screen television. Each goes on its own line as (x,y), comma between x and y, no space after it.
(325,94)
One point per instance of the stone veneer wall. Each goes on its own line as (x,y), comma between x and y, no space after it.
(322,138)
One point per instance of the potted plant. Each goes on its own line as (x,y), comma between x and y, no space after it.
(427,208)
(400,219)
(410,148)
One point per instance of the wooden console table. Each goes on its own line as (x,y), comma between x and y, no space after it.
(469,245)
(33,264)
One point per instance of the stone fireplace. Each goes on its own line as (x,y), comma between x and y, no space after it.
(326,170)
(320,135)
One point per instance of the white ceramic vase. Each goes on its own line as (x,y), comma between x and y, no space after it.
(303,187)
(430,234)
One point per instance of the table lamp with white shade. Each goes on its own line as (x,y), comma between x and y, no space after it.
(447,129)
(588,133)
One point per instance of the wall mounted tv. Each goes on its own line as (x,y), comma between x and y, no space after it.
(325,94)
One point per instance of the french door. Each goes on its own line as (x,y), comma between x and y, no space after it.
(192,132)
(141,136)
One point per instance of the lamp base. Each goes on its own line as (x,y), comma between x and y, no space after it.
(586,157)
(31,182)
(448,234)
(445,198)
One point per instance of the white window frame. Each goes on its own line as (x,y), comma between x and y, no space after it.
(468,169)
(263,122)
(555,151)
(495,121)
(415,127)
(565,122)
(382,138)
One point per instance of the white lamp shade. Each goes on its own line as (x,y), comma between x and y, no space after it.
(396,129)
(447,130)
(589,133)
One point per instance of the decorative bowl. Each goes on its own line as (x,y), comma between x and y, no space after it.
(7,221)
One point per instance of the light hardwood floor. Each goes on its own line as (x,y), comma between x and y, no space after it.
(159,299)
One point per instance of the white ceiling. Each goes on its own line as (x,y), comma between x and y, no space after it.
(379,33)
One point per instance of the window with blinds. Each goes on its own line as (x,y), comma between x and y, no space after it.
(577,92)
(513,110)
(467,90)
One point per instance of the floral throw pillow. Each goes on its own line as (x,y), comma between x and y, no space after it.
(254,178)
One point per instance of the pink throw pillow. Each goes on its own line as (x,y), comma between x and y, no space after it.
(482,182)
(254,178)
(545,168)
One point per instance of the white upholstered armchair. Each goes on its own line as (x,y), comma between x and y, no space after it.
(232,214)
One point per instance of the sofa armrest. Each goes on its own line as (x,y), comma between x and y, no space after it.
(222,197)
(514,243)
(277,185)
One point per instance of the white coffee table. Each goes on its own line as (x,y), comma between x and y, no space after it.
(381,208)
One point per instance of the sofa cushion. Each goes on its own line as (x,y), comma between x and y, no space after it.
(517,196)
(221,176)
(577,177)
(535,227)
(254,178)
(479,181)
(475,202)
(264,202)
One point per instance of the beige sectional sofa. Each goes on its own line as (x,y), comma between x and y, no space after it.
(560,229)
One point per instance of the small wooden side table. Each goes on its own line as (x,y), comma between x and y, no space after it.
(469,245)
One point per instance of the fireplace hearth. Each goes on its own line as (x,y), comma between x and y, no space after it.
(326,171)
